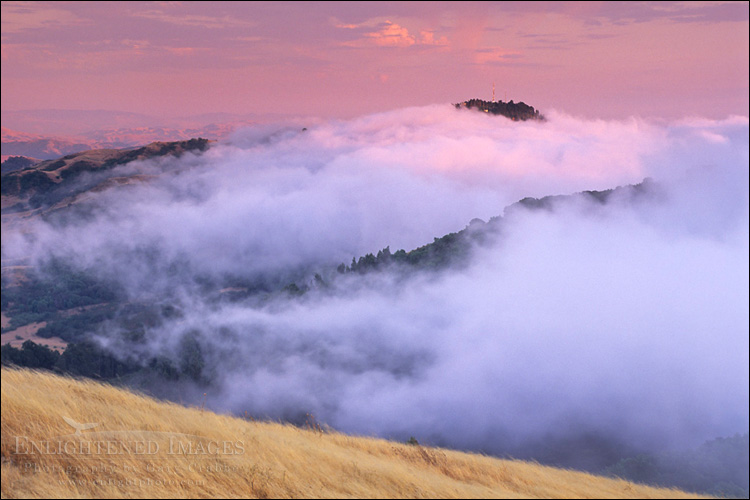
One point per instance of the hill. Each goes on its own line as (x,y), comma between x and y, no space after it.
(12,163)
(15,143)
(513,110)
(127,445)
(58,307)
(51,182)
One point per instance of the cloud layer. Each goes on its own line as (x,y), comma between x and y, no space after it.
(627,320)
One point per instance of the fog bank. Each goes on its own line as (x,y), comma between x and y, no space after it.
(627,320)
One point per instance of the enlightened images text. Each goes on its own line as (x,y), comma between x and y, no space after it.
(111,447)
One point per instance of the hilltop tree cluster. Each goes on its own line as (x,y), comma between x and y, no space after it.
(514,111)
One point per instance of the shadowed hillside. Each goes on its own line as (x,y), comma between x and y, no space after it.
(63,438)
(13,163)
(41,186)
(48,175)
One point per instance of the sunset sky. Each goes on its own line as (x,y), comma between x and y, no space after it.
(344,59)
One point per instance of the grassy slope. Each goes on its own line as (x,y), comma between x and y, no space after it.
(277,460)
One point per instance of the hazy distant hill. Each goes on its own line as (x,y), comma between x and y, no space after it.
(16,143)
(71,122)
(80,123)
(134,136)
(50,133)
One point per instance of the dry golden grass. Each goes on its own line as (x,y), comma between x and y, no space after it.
(128,455)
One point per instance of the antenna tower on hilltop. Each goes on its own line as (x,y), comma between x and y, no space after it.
(493,91)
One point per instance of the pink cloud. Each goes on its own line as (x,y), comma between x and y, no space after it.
(428,38)
(391,34)
(210,22)
(494,54)
(347,26)
(18,16)
(181,51)
(136,44)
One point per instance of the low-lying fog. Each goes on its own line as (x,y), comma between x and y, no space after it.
(627,320)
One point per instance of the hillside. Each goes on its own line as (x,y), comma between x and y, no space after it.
(62,305)
(43,176)
(12,163)
(133,446)
(51,182)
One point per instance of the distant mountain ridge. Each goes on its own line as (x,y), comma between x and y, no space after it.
(135,136)
(454,249)
(45,147)
(16,143)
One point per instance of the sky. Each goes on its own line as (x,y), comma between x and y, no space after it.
(606,60)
